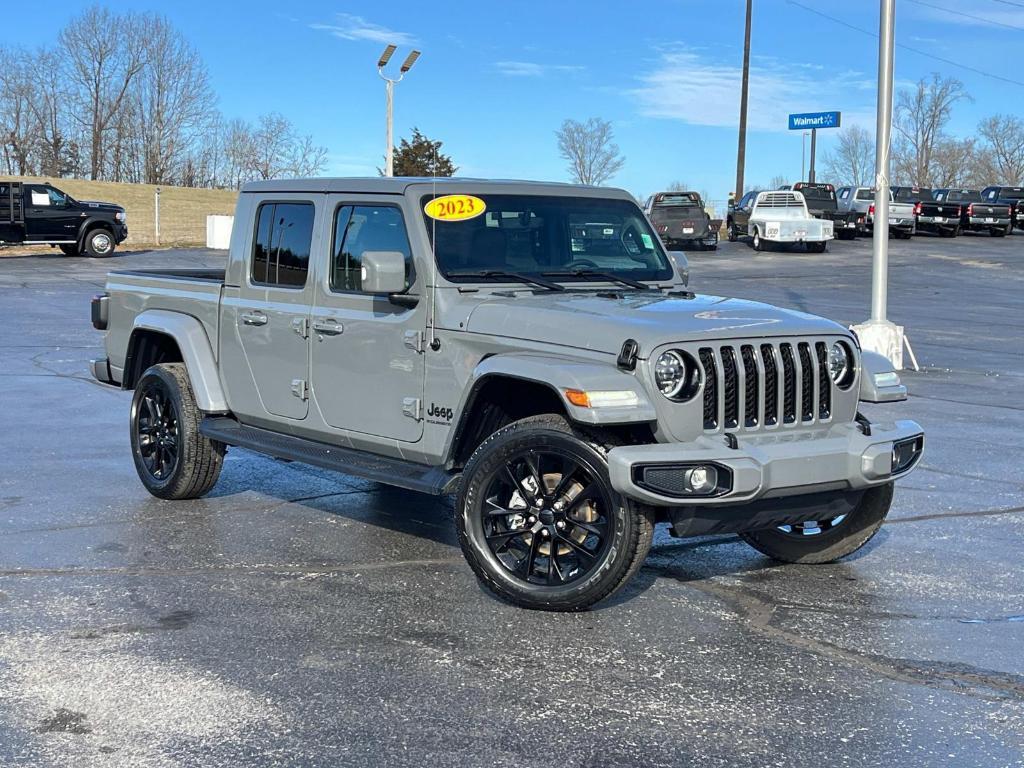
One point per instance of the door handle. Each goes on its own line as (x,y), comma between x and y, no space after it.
(254,318)
(328,327)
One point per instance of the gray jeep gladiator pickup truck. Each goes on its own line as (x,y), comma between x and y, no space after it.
(529,347)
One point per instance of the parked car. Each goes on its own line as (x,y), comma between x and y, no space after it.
(862,200)
(455,337)
(781,219)
(823,204)
(682,221)
(738,219)
(40,214)
(941,218)
(1011,196)
(976,215)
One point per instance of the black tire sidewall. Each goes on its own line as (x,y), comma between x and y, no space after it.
(853,533)
(158,376)
(91,250)
(576,595)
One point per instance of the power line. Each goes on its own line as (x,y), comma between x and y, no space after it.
(918,51)
(968,15)
(1009,2)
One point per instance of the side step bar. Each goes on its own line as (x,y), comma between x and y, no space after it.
(382,469)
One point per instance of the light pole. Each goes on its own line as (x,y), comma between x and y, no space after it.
(389,155)
(803,156)
(879,334)
(741,150)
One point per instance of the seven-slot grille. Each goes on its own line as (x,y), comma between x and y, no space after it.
(750,386)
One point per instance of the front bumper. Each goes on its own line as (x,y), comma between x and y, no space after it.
(771,465)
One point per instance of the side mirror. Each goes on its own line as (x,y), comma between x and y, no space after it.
(681,264)
(383,272)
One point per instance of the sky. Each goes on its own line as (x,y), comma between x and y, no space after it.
(495,80)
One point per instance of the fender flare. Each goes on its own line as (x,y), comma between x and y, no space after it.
(196,352)
(91,223)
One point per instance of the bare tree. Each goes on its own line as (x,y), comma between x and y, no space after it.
(922,114)
(678,186)
(593,156)
(778,181)
(17,135)
(105,53)
(955,164)
(1003,148)
(58,152)
(172,99)
(852,161)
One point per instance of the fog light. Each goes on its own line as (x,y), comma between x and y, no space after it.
(905,453)
(701,479)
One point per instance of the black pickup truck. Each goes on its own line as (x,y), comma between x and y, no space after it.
(40,214)
(975,214)
(682,222)
(1011,196)
(942,218)
(822,204)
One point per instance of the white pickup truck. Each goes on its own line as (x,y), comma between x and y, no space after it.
(782,218)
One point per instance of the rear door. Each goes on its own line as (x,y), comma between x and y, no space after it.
(47,215)
(270,315)
(366,353)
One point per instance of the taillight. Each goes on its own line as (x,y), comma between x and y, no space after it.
(970,209)
(871,210)
(917,209)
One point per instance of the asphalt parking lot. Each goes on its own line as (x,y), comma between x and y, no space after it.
(295,617)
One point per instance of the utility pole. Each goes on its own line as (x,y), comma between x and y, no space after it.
(389,89)
(803,156)
(814,145)
(741,151)
(879,334)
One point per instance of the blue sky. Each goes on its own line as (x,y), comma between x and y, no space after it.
(496,79)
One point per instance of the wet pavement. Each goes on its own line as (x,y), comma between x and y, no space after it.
(295,617)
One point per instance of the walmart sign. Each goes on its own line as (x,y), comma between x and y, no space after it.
(809,120)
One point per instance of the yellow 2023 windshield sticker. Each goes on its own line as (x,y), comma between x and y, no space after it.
(455,207)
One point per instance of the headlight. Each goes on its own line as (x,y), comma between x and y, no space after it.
(670,373)
(840,364)
(677,375)
(120,216)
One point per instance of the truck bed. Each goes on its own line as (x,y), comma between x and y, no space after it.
(195,292)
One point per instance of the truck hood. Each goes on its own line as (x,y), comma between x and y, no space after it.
(100,205)
(585,320)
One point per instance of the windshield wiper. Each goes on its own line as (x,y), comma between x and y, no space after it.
(610,277)
(499,273)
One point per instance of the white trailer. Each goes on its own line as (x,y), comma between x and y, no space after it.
(782,217)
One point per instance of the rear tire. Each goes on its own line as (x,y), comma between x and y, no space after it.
(69,249)
(99,243)
(733,235)
(998,232)
(834,540)
(173,459)
(599,538)
(816,247)
(755,241)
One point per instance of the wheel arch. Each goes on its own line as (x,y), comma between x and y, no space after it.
(91,225)
(505,388)
(160,336)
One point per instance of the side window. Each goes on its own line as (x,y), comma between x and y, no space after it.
(38,197)
(362,228)
(992,195)
(280,250)
(57,198)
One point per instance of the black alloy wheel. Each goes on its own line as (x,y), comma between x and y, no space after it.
(546,517)
(156,426)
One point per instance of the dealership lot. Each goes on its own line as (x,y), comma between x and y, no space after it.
(298,617)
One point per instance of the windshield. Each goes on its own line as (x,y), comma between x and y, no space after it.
(1012,193)
(912,194)
(672,200)
(531,234)
(963,196)
(822,193)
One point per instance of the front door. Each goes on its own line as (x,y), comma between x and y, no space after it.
(47,216)
(270,315)
(366,353)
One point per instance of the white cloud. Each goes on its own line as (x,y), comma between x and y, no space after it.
(532,68)
(686,85)
(350,27)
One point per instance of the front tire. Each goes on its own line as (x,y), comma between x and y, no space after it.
(755,241)
(173,459)
(99,244)
(825,541)
(539,522)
